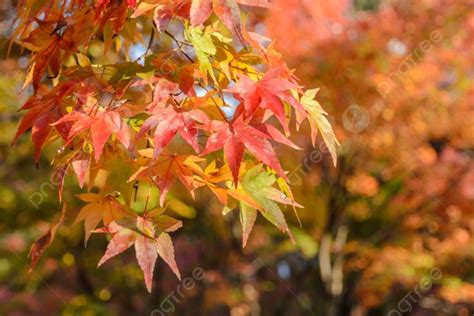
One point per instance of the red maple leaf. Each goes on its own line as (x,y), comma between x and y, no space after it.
(268,93)
(102,124)
(148,245)
(169,122)
(80,164)
(43,110)
(166,169)
(227,10)
(236,136)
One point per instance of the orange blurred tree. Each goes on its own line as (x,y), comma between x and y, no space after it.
(396,78)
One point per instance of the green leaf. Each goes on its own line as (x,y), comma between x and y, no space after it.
(248,215)
(259,185)
(203,47)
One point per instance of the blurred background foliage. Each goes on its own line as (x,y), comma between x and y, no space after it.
(397,80)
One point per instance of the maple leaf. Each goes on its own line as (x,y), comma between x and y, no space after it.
(227,10)
(100,207)
(318,121)
(59,174)
(204,48)
(48,51)
(54,37)
(166,169)
(175,71)
(211,176)
(102,124)
(148,245)
(236,136)
(163,223)
(268,93)
(248,216)
(163,90)
(163,11)
(39,119)
(168,122)
(80,165)
(162,93)
(43,109)
(256,193)
(43,242)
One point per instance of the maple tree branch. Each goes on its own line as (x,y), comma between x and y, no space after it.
(178,43)
(150,43)
(215,103)
(246,70)
(175,102)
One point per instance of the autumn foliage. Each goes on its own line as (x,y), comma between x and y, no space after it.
(193,99)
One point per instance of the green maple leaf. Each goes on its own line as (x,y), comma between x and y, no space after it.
(203,47)
(258,185)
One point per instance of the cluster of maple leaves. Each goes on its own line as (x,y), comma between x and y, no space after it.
(205,111)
